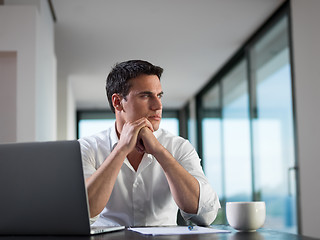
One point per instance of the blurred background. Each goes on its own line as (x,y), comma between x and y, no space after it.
(240,82)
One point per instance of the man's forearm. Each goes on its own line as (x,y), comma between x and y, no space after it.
(184,187)
(100,184)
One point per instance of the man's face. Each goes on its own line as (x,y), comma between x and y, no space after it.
(144,100)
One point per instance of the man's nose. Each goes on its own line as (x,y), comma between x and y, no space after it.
(156,103)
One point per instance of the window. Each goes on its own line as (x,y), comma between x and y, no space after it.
(273,135)
(247,128)
(211,128)
(236,134)
(91,122)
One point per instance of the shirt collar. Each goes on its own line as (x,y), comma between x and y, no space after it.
(113,136)
(157,133)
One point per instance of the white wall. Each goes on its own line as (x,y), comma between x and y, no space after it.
(8,78)
(18,27)
(46,70)
(71,112)
(28,31)
(66,110)
(306,52)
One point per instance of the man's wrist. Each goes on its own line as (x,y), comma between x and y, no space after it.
(121,149)
(160,152)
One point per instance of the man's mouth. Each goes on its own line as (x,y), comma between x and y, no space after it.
(155,117)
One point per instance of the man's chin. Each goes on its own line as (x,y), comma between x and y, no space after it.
(155,126)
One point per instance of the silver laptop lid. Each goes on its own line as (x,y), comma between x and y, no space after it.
(42,189)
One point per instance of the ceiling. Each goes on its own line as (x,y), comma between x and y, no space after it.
(190,39)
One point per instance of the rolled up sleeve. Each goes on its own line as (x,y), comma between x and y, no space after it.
(209,204)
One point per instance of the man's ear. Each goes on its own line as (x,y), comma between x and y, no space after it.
(117,101)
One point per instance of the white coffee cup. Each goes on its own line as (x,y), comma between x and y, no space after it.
(246,216)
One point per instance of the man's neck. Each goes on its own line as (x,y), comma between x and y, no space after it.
(118,128)
(135,159)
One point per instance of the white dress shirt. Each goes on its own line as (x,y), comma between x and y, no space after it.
(143,197)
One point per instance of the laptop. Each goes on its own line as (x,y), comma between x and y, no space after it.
(43,190)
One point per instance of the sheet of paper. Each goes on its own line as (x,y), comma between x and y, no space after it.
(176,230)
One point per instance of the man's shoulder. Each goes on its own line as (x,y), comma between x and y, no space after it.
(179,147)
(103,136)
(165,136)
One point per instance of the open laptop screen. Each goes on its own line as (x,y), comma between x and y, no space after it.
(42,189)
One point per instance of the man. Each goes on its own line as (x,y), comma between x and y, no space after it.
(137,174)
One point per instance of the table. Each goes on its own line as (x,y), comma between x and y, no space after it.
(261,234)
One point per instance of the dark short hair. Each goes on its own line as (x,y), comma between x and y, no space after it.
(118,78)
